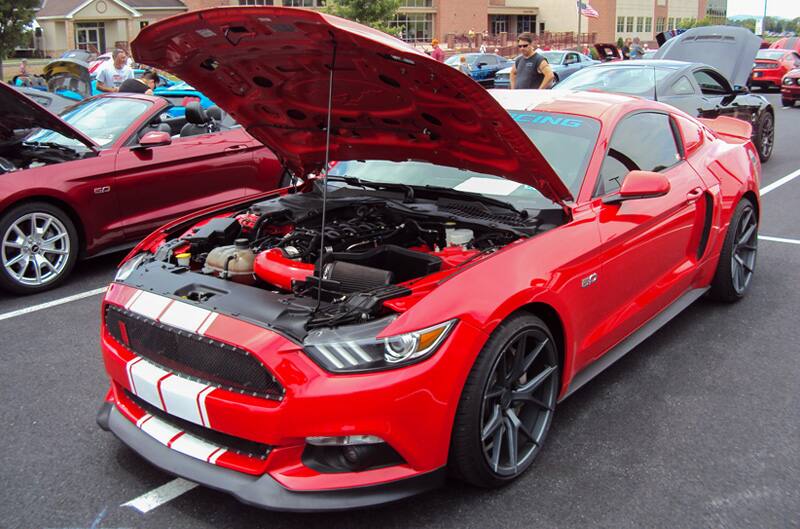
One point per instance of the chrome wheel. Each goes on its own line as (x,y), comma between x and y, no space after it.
(767,136)
(745,248)
(35,249)
(518,402)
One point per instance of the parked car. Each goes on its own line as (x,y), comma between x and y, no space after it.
(69,78)
(608,52)
(787,43)
(563,62)
(716,88)
(771,66)
(122,171)
(180,94)
(52,102)
(790,88)
(483,66)
(466,277)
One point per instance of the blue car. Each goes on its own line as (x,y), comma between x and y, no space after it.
(179,94)
(482,66)
(563,64)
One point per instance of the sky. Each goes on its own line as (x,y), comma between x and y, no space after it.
(775,8)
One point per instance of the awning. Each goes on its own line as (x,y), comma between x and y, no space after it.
(505,10)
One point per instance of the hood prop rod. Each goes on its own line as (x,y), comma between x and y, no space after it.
(325,175)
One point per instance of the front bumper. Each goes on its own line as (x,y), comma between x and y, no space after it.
(264,440)
(791,92)
(261,491)
(771,78)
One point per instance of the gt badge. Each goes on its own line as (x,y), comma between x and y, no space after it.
(589,280)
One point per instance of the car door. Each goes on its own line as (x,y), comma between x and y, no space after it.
(160,183)
(717,97)
(683,94)
(571,65)
(649,245)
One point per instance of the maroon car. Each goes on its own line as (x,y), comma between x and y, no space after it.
(107,172)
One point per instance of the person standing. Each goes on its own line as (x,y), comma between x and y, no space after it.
(463,65)
(143,85)
(637,51)
(23,68)
(530,69)
(626,49)
(114,72)
(437,52)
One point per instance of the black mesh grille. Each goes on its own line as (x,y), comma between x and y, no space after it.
(192,355)
(229,442)
(481,213)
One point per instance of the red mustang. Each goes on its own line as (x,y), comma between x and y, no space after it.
(105,174)
(771,65)
(470,260)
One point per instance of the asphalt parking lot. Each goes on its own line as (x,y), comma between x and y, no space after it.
(699,427)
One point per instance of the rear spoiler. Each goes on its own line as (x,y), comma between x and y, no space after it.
(729,129)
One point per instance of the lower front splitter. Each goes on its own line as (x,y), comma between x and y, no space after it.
(260,491)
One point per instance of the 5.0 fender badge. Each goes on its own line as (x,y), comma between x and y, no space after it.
(589,280)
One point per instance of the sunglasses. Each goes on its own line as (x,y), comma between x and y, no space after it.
(523,45)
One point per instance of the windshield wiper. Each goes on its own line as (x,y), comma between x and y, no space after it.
(50,144)
(357,182)
(476,196)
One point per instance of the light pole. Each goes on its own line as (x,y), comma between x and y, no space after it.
(764,20)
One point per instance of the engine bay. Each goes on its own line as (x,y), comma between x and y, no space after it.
(27,156)
(374,250)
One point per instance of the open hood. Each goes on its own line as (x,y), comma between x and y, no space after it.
(19,112)
(731,50)
(269,67)
(69,74)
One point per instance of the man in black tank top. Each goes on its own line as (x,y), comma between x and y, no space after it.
(531,69)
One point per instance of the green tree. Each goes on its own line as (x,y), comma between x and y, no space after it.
(373,13)
(14,16)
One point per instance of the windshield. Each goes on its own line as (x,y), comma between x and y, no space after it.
(103,120)
(633,80)
(770,55)
(553,57)
(566,141)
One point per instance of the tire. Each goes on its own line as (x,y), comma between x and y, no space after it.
(737,260)
(787,102)
(488,396)
(48,257)
(765,136)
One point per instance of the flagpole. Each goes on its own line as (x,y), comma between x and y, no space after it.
(578,38)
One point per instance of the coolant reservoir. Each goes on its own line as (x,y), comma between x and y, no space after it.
(458,236)
(232,262)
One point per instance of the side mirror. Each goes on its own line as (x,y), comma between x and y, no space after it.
(739,89)
(640,184)
(481,64)
(155,138)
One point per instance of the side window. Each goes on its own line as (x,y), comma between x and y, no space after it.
(490,60)
(796,59)
(683,87)
(572,58)
(643,142)
(710,83)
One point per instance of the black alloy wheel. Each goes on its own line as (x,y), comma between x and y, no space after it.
(766,136)
(738,258)
(507,404)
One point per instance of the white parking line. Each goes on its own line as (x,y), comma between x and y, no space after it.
(778,239)
(54,303)
(167,492)
(778,183)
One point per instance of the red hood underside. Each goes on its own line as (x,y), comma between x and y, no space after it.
(269,67)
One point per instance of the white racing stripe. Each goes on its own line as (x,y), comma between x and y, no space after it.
(778,239)
(156,497)
(54,303)
(777,183)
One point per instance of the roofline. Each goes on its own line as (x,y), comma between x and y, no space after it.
(174,8)
(120,3)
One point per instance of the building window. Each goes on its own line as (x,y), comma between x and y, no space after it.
(416,27)
(526,23)
(639,24)
(91,37)
(302,3)
(498,24)
(256,2)
(417,3)
(629,25)
(659,24)
(671,24)
(143,24)
(648,24)
(620,24)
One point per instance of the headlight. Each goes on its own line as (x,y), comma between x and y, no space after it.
(788,80)
(128,267)
(355,348)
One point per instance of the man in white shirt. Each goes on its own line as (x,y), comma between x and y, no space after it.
(114,72)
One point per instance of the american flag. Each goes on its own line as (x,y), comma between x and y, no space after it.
(587,10)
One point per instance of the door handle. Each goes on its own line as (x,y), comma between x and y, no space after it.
(694,194)
(235,148)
